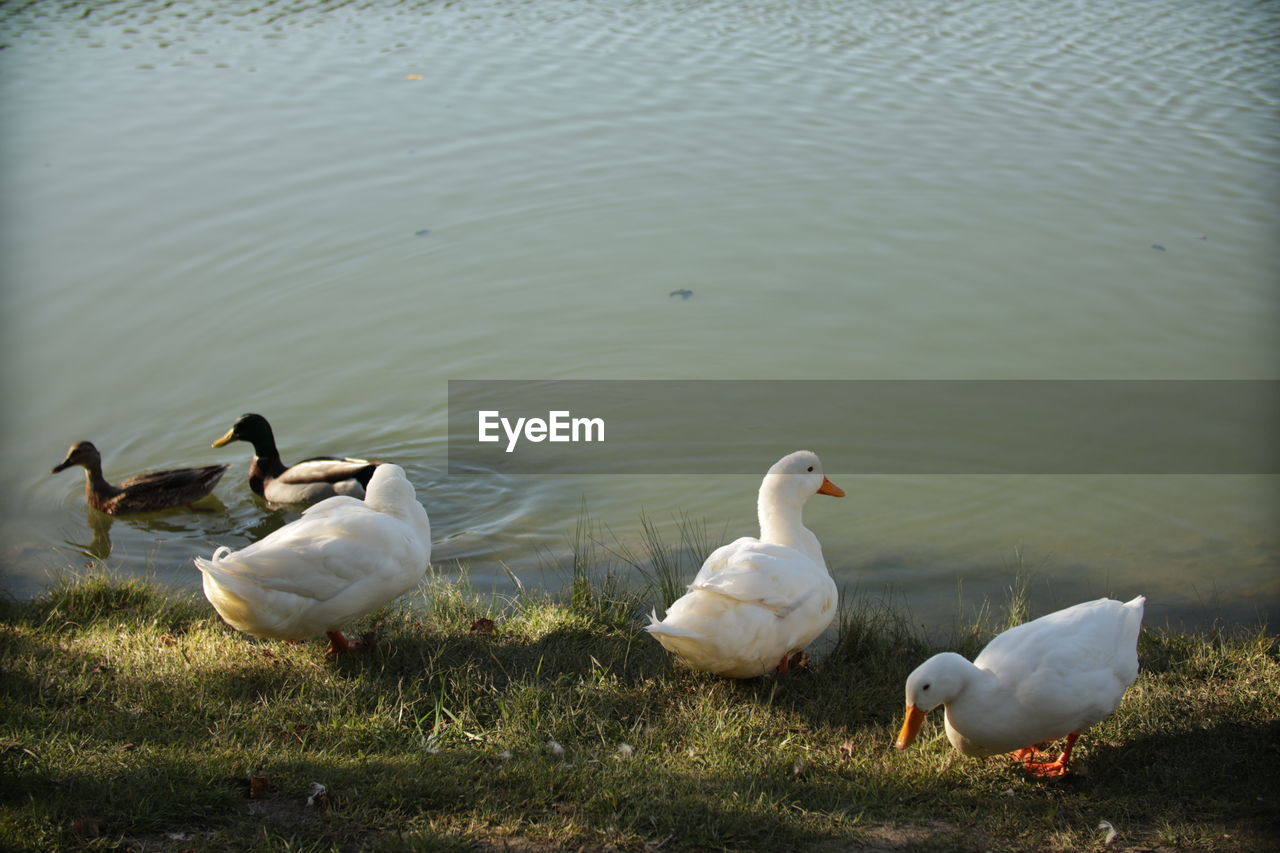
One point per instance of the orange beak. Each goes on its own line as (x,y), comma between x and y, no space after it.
(830,488)
(910,727)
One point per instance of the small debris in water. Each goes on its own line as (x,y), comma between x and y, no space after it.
(1157,247)
(424,232)
(413,76)
(1203,237)
(683,293)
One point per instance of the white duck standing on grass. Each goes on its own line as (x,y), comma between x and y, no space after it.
(1052,677)
(757,602)
(344,558)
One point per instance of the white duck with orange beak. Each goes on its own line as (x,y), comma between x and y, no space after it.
(757,602)
(343,559)
(1049,678)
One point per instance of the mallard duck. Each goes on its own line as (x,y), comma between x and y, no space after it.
(756,603)
(307,481)
(154,490)
(341,560)
(1052,677)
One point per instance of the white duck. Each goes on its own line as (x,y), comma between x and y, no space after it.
(1053,676)
(342,559)
(756,602)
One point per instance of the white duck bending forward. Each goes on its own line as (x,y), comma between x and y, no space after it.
(341,560)
(1052,677)
(756,602)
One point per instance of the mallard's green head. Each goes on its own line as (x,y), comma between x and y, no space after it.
(80,453)
(253,429)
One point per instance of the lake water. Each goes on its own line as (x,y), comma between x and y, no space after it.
(324,212)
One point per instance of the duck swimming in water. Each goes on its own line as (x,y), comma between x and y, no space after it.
(307,481)
(148,492)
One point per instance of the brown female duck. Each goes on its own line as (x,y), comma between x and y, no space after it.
(147,492)
(305,482)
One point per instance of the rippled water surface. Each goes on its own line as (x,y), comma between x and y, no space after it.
(325,211)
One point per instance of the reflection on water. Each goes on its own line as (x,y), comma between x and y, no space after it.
(99,546)
(207,517)
(325,214)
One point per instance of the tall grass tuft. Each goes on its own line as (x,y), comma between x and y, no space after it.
(596,590)
(1018,607)
(666,568)
(872,631)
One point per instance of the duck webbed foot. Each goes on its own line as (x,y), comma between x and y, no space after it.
(1028,754)
(1052,769)
(338,643)
(799,662)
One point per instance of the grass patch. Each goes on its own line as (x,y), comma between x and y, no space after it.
(132,718)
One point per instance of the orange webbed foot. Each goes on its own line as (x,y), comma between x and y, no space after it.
(338,643)
(798,661)
(1051,769)
(1028,754)
(1046,769)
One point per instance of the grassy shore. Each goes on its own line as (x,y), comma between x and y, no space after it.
(133,718)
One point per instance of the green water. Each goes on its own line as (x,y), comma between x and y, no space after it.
(210,208)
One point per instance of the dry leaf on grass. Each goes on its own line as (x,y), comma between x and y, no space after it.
(87,827)
(258,786)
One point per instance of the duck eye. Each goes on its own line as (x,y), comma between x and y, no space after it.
(926,687)
(810,467)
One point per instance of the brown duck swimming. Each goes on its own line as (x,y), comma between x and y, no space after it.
(147,492)
(305,482)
